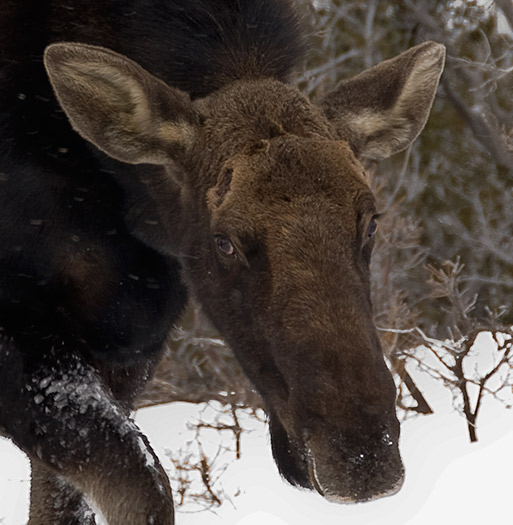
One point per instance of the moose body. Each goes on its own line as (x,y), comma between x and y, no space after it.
(208,175)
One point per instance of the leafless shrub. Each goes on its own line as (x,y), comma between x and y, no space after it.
(468,373)
(197,473)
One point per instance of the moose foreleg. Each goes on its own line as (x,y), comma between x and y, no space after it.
(68,423)
(54,500)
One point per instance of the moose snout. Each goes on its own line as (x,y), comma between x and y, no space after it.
(340,407)
(351,469)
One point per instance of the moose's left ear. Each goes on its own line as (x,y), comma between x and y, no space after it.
(118,106)
(382,110)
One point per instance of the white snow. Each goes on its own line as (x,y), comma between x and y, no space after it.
(448,480)
(148,458)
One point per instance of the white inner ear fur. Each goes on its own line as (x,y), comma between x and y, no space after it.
(420,85)
(394,128)
(119,93)
(116,89)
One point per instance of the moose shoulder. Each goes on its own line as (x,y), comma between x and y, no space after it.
(231,187)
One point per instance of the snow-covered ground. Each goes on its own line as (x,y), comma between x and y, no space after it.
(448,479)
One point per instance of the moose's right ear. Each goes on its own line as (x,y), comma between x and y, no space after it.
(118,106)
(382,110)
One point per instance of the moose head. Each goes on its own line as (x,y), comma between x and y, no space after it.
(263,198)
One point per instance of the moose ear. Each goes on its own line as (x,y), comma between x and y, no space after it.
(118,106)
(382,110)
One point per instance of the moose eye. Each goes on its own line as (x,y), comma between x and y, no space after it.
(372,228)
(225,246)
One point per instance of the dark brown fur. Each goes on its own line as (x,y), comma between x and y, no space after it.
(236,187)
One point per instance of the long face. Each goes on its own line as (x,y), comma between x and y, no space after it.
(281,265)
(270,212)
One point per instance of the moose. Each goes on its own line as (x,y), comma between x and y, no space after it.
(204,173)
